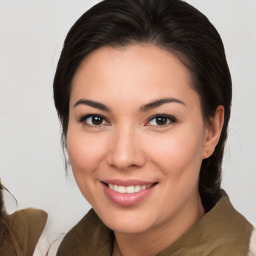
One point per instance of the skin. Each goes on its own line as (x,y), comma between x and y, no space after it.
(128,143)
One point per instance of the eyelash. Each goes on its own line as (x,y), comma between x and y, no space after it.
(170,119)
(83,120)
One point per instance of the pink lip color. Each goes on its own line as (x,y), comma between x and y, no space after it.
(127,183)
(126,199)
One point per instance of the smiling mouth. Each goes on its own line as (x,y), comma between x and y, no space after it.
(128,189)
(126,193)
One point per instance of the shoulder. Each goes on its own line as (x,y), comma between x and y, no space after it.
(89,236)
(25,227)
(28,222)
(29,216)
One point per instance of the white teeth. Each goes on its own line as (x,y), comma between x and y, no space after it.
(121,189)
(137,188)
(129,189)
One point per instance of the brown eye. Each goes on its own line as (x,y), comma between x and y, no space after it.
(93,120)
(97,120)
(161,120)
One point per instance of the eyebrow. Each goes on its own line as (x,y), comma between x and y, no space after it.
(160,102)
(144,108)
(93,104)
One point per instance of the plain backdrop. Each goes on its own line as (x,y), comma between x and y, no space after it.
(31,161)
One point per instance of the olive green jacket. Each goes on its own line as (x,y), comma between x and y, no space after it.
(221,232)
(23,229)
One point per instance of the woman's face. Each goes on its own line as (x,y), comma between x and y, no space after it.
(136,137)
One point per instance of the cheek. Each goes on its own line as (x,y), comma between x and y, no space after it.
(179,158)
(85,152)
(179,154)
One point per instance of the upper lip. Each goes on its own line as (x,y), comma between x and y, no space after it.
(130,182)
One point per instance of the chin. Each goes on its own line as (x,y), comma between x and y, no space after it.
(129,227)
(128,221)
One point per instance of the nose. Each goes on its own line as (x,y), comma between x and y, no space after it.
(125,150)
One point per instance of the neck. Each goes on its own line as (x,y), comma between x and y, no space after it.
(155,240)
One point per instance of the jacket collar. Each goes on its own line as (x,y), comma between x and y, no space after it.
(221,232)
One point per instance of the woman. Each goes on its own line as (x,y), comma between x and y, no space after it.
(143,93)
(20,231)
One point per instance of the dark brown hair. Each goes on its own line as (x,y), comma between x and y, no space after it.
(1,200)
(3,225)
(7,237)
(173,25)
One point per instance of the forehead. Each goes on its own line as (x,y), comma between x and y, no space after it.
(135,71)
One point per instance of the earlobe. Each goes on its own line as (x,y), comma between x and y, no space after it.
(213,132)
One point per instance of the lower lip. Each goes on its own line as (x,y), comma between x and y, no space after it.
(126,199)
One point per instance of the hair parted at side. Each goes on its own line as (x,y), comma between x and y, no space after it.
(173,25)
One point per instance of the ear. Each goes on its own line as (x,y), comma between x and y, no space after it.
(213,131)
